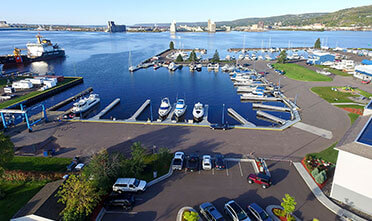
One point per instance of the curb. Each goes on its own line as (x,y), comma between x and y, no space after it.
(321,197)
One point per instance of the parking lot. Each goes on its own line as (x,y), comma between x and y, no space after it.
(163,200)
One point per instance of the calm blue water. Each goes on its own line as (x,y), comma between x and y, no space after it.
(102,59)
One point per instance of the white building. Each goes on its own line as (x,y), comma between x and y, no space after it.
(22,84)
(344,65)
(352,179)
(173,28)
(363,72)
(211,26)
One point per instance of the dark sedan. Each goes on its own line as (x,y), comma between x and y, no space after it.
(220,162)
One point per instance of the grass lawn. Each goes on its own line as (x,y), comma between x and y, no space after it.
(364,93)
(17,195)
(334,71)
(50,164)
(329,154)
(35,93)
(298,72)
(333,96)
(153,164)
(353,117)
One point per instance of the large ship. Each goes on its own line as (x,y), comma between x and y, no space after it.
(42,50)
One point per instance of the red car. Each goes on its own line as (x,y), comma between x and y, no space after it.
(261,179)
(366,81)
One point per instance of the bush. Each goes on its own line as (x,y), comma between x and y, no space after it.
(315,172)
(321,177)
(17,175)
(190,216)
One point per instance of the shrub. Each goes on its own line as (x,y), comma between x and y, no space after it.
(321,177)
(190,216)
(315,172)
(17,175)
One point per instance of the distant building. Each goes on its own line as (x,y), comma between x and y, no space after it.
(173,28)
(320,58)
(363,72)
(111,27)
(211,26)
(351,181)
(261,25)
(3,24)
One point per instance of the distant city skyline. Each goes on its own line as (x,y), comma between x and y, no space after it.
(85,12)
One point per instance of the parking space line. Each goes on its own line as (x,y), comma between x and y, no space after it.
(213,171)
(241,171)
(199,171)
(227,168)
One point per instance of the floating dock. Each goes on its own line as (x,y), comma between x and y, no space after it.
(271,117)
(270,107)
(254,98)
(239,84)
(107,109)
(140,110)
(250,89)
(238,117)
(68,100)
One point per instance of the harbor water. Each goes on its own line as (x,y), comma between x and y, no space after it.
(102,59)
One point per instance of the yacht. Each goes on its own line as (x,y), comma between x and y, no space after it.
(216,67)
(210,66)
(172,66)
(192,67)
(198,111)
(164,108)
(231,68)
(180,108)
(199,67)
(225,68)
(85,104)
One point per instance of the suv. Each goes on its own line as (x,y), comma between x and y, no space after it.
(129,185)
(207,162)
(210,212)
(126,201)
(178,161)
(259,213)
(261,178)
(219,162)
(236,213)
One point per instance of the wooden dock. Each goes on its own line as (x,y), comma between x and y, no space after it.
(107,109)
(254,98)
(68,100)
(140,110)
(270,117)
(238,117)
(270,107)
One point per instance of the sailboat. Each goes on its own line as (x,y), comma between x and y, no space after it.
(131,67)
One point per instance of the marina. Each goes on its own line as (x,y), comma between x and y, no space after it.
(107,109)
(270,107)
(270,117)
(140,110)
(239,118)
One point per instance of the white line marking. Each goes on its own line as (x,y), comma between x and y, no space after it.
(227,169)
(199,171)
(241,171)
(213,171)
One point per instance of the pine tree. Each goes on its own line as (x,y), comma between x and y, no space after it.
(179,58)
(192,56)
(216,57)
(282,57)
(171,45)
(317,44)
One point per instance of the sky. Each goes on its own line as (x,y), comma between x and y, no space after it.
(98,12)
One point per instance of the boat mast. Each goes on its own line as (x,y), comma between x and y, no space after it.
(130,59)
(223,114)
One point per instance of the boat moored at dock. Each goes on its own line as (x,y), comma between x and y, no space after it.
(164,108)
(85,103)
(198,111)
(180,108)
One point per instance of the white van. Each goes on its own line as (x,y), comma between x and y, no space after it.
(129,185)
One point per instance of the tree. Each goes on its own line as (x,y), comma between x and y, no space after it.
(192,56)
(190,216)
(288,204)
(79,197)
(282,57)
(317,44)
(6,151)
(179,58)
(103,169)
(216,57)
(136,164)
(171,45)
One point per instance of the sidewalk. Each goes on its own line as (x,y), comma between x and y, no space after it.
(323,198)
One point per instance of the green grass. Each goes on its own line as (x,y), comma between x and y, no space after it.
(333,71)
(17,195)
(364,93)
(49,164)
(329,154)
(353,117)
(333,96)
(153,164)
(298,72)
(35,93)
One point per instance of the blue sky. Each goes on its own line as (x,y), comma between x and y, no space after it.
(94,12)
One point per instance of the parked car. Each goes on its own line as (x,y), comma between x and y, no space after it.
(220,126)
(261,179)
(366,81)
(210,212)
(235,212)
(207,162)
(192,162)
(259,213)
(219,162)
(129,185)
(178,160)
(125,201)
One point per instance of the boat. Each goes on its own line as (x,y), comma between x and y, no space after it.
(156,66)
(209,66)
(216,67)
(131,68)
(241,56)
(231,68)
(85,103)
(172,66)
(268,57)
(225,68)
(192,67)
(164,108)
(180,108)
(260,57)
(198,111)
(42,50)
(199,67)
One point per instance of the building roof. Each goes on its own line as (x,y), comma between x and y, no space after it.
(364,69)
(350,143)
(44,204)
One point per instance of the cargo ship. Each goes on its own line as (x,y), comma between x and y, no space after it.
(42,50)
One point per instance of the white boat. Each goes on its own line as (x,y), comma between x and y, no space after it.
(131,68)
(180,108)
(210,67)
(216,67)
(267,57)
(260,57)
(198,111)
(199,67)
(241,56)
(172,66)
(164,108)
(192,67)
(225,68)
(85,103)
